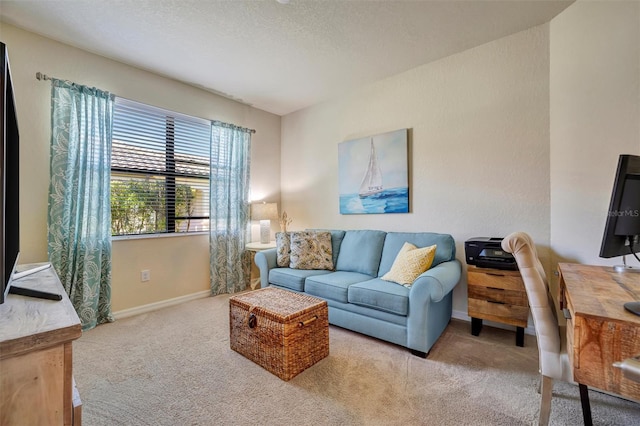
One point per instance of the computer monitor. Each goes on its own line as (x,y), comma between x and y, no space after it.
(622,229)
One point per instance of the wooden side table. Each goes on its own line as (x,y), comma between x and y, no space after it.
(497,295)
(252,249)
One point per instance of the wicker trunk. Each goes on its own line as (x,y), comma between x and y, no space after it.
(282,331)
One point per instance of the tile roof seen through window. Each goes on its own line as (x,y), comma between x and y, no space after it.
(130,157)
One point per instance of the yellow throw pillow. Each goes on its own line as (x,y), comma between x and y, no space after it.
(410,262)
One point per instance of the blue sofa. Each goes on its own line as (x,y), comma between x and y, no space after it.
(413,317)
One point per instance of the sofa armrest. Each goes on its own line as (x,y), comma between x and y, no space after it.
(430,304)
(265,261)
(439,280)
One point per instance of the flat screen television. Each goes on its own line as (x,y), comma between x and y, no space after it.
(10,192)
(622,228)
(9,177)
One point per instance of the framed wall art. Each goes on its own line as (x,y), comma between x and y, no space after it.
(373,174)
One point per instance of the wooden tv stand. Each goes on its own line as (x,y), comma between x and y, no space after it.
(36,335)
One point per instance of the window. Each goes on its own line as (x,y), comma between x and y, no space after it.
(159,171)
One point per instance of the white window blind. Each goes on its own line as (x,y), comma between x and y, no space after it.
(159,170)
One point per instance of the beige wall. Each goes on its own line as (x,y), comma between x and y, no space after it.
(520,133)
(179,265)
(595,117)
(479,149)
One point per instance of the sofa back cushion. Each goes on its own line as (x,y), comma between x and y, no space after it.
(445,251)
(361,251)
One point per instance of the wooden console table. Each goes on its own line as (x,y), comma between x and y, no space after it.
(36,376)
(601,330)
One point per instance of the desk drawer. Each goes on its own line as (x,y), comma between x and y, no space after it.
(570,332)
(500,312)
(574,361)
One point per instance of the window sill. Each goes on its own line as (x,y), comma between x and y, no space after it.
(154,236)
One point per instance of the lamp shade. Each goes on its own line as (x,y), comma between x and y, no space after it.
(264,211)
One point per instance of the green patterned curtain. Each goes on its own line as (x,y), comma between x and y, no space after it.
(229,205)
(79,216)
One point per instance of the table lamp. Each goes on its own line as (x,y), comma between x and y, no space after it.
(265,213)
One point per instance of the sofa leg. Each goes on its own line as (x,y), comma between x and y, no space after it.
(419,353)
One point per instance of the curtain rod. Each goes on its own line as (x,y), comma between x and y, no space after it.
(41,76)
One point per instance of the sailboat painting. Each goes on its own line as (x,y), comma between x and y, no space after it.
(373,174)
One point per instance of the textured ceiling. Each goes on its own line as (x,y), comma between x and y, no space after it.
(273,56)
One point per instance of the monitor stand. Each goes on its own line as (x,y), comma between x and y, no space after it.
(21,291)
(626,268)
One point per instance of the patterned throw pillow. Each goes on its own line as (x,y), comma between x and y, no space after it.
(283,242)
(311,250)
(410,262)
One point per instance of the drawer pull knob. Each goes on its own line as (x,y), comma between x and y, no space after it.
(496,288)
(496,302)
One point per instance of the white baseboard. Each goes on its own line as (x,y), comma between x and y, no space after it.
(464,317)
(159,305)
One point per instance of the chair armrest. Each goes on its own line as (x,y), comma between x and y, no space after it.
(265,261)
(438,281)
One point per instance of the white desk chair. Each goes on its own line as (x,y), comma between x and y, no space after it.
(552,350)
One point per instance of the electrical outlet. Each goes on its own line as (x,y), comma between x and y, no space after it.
(145,275)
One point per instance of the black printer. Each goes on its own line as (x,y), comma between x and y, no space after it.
(486,252)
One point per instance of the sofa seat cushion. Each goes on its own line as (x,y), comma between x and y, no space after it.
(382,295)
(333,286)
(365,312)
(292,279)
(360,251)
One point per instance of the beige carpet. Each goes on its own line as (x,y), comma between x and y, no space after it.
(174,367)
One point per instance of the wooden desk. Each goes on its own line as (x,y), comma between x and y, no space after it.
(36,377)
(601,330)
